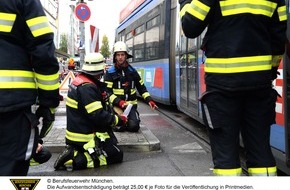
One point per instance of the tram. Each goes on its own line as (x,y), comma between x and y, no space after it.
(171,66)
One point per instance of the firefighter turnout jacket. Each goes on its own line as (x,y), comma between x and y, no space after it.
(122,84)
(239,54)
(28,68)
(88,111)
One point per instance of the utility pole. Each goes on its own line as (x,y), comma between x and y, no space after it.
(82,40)
(83,14)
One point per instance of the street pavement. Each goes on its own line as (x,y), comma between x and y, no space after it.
(162,147)
(144,140)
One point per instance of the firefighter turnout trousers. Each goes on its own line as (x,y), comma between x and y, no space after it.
(111,154)
(18,141)
(249,113)
(133,124)
(77,158)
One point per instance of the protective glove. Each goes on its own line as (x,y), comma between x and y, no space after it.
(48,117)
(275,73)
(122,104)
(105,96)
(276,60)
(152,105)
(123,119)
(120,121)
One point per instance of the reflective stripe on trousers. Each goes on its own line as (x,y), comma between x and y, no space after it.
(267,171)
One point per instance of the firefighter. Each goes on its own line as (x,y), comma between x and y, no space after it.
(90,119)
(122,80)
(28,75)
(244,44)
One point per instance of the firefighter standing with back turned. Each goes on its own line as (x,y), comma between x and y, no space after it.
(244,44)
(122,81)
(28,75)
(90,119)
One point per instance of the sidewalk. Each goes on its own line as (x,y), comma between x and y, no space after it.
(144,140)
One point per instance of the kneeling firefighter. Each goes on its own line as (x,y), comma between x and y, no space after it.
(90,119)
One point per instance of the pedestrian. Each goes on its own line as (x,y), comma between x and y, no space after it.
(89,137)
(122,81)
(71,64)
(243,45)
(28,76)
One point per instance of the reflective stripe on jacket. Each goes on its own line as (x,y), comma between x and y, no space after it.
(28,67)
(243,42)
(122,85)
(87,111)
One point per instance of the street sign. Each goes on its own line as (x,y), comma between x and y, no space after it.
(63,89)
(82,12)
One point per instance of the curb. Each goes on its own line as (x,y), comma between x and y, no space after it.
(143,141)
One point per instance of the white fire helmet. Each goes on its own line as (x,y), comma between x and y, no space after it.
(120,46)
(94,63)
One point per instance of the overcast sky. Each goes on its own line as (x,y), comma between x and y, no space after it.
(104,15)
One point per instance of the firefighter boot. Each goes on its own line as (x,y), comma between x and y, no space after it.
(41,157)
(64,161)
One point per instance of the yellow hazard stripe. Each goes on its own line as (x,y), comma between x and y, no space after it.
(6,21)
(47,82)
(260,7)
(39,26)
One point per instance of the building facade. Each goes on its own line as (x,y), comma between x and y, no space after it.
(51,8)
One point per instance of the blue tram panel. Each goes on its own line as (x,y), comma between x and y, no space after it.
(171,65)
(156,79)
(144,30)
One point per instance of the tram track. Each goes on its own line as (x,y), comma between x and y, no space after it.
(189,124)
(194,127)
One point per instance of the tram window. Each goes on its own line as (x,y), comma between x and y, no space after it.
(152,38)
(139,29)
(129,35)
(138,51)
(182,43)
(183,61)
(191,49)
(139,39)
(121,36)
(192,75)
(130,47)
(153,22)
(152,43)
(139,47)
(138,54)
(192,44)
(191,60)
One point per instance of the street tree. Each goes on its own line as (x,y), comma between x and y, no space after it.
(105,49)
(63,43)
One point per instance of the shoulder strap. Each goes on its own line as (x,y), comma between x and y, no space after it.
(81,79)
(112,69)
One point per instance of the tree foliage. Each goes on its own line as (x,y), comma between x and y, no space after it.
(105,49)
(63,43)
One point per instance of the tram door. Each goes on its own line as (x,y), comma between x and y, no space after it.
(189,76)
(286,81)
